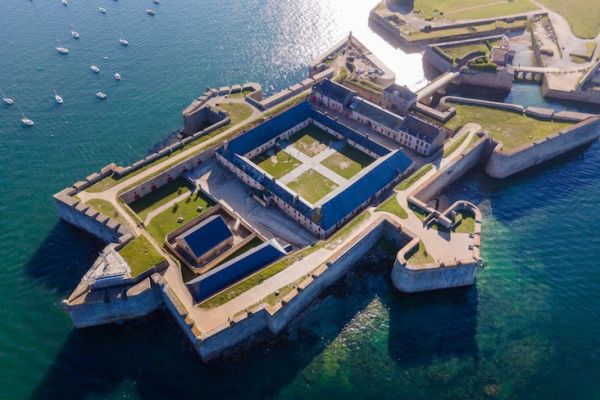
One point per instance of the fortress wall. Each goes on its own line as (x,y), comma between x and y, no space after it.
(111,305)
(467,160)
(76,213)
(502,165)
(435,60)
(485,103)
(501,80)
(589,96)
(411,280)
(165,177)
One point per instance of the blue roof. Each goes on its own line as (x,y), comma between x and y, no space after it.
(207,235)
(240,267)
(420,128)
(364,187)
(338,207)
(376,113)
(334,91)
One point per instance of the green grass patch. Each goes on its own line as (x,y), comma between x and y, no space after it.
(418,174)
(341,75)
(458,52)
(140,255)
(392,206)
(312,186)
(367,85)
(513,130)
(348,162)
(469,9)
(582,15)
(106,208)
(167,221)
(160,196)
(278,163)
(455,145)
(467,223)
(420,256)
(311,140)
(420,214)
(238,112)
(276,296)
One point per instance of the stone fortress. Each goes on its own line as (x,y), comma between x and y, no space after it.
(266,202)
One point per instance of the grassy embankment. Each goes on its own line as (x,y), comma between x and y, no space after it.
(582,15)
(468,9)
(513,130)
(140,255)
(188,209)
(264,274)
(160,196)
(419,256)
(392,206)
(106,208)
(455,145)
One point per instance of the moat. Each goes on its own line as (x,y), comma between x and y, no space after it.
(354,297)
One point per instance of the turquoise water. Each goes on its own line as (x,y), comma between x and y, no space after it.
(530,328)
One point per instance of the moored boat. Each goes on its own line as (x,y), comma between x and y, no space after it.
(117,76)
(95,68)
(62,50)
(101,95)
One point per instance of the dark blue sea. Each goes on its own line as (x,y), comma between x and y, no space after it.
(530,328)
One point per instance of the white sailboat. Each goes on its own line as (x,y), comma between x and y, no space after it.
(75,34)
(102,10)
(117,76)
(7,100)
(62,50)
(101,95)
(95,68)
(124,42)
(150,12)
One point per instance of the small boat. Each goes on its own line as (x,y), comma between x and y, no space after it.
(62,50)
(102,10)
(124,42)
(8,101)
(150,12)
(26,121)
(65,3)
(75,34)
(95,68)
(101,95)
(58,99)
(117,76)
(156,1)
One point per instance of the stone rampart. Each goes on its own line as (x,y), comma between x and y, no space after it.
(499,80)
(453,171)
(72,210)
(114,304)
(503,164)
(484,103)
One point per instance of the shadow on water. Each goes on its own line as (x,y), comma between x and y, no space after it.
(152,358)
(63,258)
(429,326)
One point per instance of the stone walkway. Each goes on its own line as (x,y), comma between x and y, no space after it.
(313,163)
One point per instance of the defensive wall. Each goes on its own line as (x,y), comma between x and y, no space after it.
(410,278)
(503,164)
(552,90)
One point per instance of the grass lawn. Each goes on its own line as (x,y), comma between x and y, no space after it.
(418,174)
(456,52)
(470,9)
(467,225)
(106,208)
(348,161)
(420,256)
(166,222)
(419,213)
(312,186)
(511,129)
(311,140)
(582,15)
(392,206)
(278,164)
(140,255)
(160,196)
(238,112)
(453,32)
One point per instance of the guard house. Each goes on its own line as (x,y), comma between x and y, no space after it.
(399,99)
(410,131)
(206,240)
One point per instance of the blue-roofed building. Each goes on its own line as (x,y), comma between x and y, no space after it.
(326,216)
(419,135)
(234,270)
(398,98)
(206,240)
